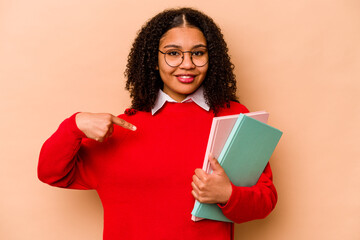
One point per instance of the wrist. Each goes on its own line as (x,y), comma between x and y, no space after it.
(227,194)
(225,204)
(81,121)
(74,127)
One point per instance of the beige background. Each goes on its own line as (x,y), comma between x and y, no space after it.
(299,60)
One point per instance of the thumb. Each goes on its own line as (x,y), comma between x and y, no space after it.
(215,165)
(122,123)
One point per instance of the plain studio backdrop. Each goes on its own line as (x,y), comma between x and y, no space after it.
(298,60)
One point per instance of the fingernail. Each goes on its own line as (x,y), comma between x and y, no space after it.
(133,128)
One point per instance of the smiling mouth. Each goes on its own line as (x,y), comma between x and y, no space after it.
(185,78)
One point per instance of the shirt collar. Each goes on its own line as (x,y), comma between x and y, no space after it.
(196,97)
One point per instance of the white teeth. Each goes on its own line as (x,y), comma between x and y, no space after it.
(186,76)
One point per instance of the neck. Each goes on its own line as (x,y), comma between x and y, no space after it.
(176,96)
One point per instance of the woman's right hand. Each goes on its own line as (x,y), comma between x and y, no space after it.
(99,126)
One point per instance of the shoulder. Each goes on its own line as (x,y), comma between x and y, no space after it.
(133,114)
(232,108)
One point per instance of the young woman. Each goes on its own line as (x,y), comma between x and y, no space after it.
(145,164)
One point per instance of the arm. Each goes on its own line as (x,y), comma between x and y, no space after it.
(61,163)
(59,160)
(250,203)
(239,204)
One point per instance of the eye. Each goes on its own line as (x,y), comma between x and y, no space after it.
(173,53)
(198,53)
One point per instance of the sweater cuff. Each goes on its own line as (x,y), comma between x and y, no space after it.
(234,197)
(71,124)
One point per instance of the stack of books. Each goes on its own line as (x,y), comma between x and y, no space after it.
(243,145)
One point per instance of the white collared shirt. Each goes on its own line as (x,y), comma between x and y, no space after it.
(196,97)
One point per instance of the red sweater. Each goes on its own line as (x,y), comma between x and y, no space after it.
(144,177)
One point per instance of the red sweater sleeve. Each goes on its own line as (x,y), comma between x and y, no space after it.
(250,203)
(60,164)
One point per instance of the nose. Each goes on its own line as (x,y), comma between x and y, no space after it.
(187,62)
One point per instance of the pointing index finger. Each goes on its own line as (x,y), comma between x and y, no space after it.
(122,123)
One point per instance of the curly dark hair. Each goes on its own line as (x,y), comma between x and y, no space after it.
(143,79)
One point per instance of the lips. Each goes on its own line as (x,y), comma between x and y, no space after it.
(186,78)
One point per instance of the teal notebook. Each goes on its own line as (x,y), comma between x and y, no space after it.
(243,157)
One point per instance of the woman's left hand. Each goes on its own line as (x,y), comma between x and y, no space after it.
(211,188)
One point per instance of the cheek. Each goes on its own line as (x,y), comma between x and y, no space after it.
(164,69)
(161,63)
(204,71)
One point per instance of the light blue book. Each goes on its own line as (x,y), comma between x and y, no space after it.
(244,157)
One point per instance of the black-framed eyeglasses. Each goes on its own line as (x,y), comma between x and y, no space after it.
(175,57)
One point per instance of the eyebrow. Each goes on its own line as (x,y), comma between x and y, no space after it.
(177,46)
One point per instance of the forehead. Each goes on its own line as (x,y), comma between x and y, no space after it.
(184,37)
